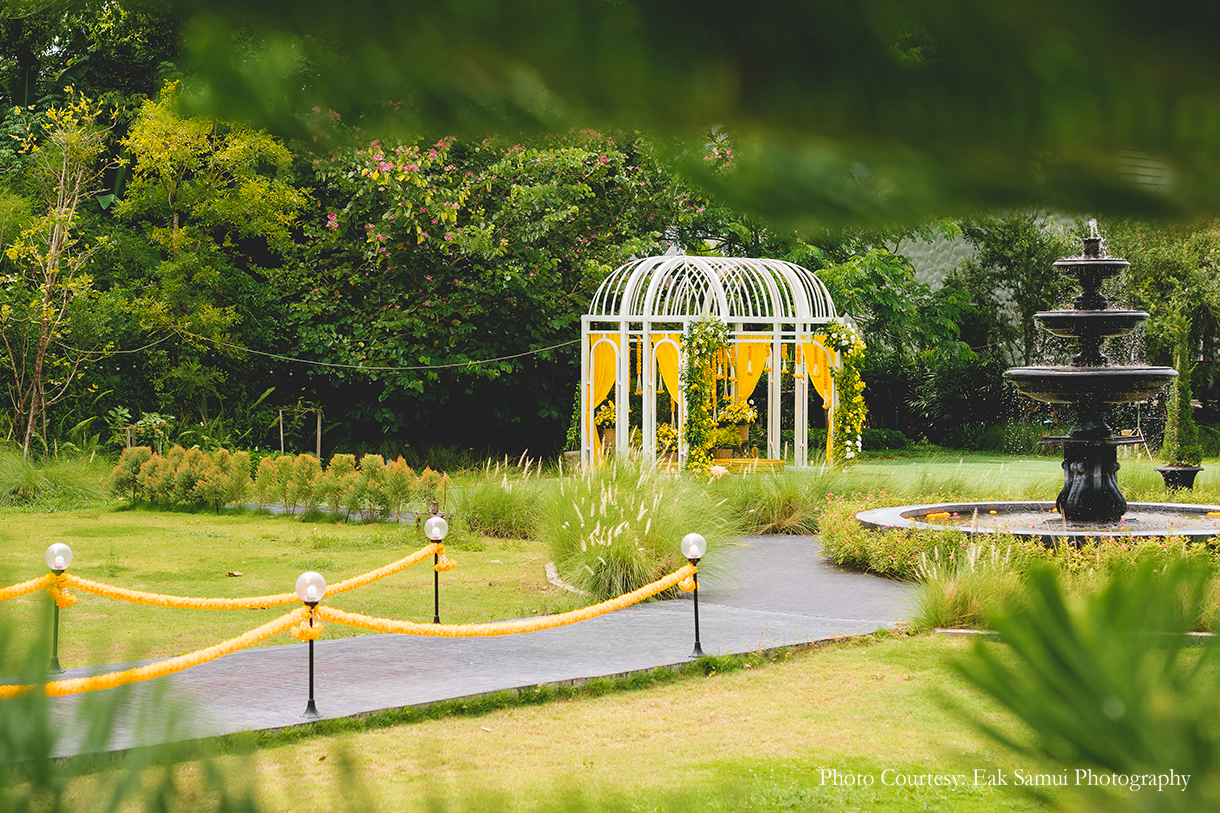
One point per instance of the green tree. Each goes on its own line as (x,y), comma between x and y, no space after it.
(217,201)
(104,48)
(441,253)
(63,149)
(1010,277)
(1175,277)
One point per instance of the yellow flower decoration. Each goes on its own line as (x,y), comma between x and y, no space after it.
(505,627)
(62,599)
(59,688)
(249,603)
(26,588)
(305,632)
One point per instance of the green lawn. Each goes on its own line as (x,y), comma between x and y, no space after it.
(758,736)
(192,554)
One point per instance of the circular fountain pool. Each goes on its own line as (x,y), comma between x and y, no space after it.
(1040,521)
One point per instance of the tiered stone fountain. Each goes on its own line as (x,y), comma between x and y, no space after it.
(1090,503)
(1090,494)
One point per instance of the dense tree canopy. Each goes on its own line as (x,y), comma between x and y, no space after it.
(397,212)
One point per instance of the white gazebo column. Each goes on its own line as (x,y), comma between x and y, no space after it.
(622,393)
(774,407)
(586,382)
(800,407)
(649,409)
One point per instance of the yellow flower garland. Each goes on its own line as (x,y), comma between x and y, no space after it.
(250,603)
(60,688)
(308,630)
(62,599)
(297,621)
(17,590)
(506,627)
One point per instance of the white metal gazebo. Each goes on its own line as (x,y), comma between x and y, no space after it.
(640,311)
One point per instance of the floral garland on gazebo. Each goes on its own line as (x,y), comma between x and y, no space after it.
(845,440)
(702,341)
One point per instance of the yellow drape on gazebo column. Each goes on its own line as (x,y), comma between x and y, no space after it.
(750,358)
(666,353)
(818,365)
(604,354)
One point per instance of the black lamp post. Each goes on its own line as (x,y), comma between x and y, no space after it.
(311,587)
(58,557)
(435,528)
(693,548)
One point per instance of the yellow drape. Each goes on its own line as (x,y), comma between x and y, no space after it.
(750,358)
(818,366)
(667,362)
(605,370)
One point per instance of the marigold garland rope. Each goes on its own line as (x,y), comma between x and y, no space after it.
(249,603)
(505,627)
(33,585)
(298,621)
(60,688)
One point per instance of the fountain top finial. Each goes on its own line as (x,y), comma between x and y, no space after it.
(1093,243)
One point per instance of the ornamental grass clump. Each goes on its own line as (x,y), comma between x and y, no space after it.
(965,586)
(786,503)
(618,529)
(506,510)
(55,481)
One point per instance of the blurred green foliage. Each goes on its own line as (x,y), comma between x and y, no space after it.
(1111,682)
(846,111)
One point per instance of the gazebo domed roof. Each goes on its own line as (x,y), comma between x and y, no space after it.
(735,289)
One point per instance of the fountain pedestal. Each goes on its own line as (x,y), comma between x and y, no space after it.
(1090,483)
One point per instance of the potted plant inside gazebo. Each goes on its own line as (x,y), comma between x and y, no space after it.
(667,442)
(738,414)
(605,419)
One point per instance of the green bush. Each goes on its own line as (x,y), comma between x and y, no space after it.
(124,481)
(1209,440)
(879,439)
(617,529)
(399,486)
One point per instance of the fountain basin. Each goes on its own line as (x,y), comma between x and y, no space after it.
(1107,324)
(1038,521)
(1091,265)
(1074,385)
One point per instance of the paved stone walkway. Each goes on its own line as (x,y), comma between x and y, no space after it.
(774,592)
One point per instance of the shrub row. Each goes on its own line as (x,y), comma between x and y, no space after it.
(368,488)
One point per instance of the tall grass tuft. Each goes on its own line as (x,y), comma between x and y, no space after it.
(618,529)
(54,482)
(506,510)
(964,587)
(787,503)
